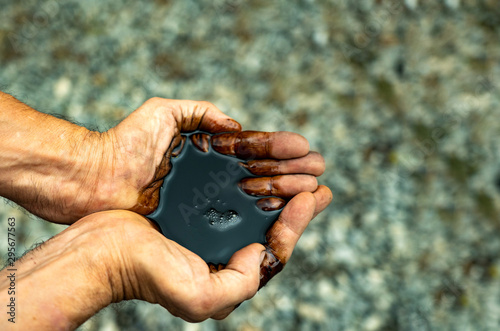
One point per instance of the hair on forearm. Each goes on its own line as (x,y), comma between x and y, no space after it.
(14,205)
(36,246)
(22,98)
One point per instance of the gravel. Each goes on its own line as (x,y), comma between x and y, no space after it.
(401,97)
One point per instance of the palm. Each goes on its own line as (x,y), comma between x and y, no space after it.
(162,271)
(166,273)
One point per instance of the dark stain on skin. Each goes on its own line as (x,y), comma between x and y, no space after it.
(270,266)
(203,209)
(201,141)
(246,145)
(272,203)
(262,167)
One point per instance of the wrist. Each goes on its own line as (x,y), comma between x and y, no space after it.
(63,282)
(90,186)
(76,189)
(79,177)
(71,177)
(117,261)
(104,175)
(58,170)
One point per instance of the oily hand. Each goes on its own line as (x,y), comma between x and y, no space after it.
(180,280)
(140,148)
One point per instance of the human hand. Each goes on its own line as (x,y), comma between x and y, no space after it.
(158,270)
(119,255)
(62,172)
(136,155)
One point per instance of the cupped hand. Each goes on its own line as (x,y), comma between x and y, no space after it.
(136,155)
(143,264)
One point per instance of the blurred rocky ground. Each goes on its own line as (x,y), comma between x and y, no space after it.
(401,97)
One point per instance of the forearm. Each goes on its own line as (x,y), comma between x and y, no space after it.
(47,165)
(58,285)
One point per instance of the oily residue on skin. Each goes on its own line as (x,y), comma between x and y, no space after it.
(272,203)
(246,145)
(270,267)
(201,141)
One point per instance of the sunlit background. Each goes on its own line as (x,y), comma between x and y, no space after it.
(401,97)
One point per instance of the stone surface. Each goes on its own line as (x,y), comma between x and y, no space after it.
(401,97)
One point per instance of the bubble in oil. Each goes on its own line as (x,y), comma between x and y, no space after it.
(222,220)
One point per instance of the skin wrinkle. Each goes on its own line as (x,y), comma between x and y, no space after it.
(134,144)
(285,186)
(165,164)
(88,175)
(149,197)
(278,167)
(271,190)
(256,144)
(71,174)
(313,164)
(110,155)
(131,283)
(63,252)
(267,144)
(148,200)
(237,145)
(201,119)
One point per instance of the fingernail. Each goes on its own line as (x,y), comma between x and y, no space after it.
(232,125)
(224,143)
(256,186)
(201,141)
(262,256)
(270,204)
(178,149)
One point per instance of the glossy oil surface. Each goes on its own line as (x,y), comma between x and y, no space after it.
(203,209)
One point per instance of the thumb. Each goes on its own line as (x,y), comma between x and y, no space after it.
(240,279)
(205,116)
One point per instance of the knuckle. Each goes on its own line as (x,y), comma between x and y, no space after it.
(193,306)
(311,182)
(321,163)
(202,306)
(193,318)
(319,157)
(205,304)
(220,317)
(198,318)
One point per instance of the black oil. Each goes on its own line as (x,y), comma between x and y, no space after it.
(203,209)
